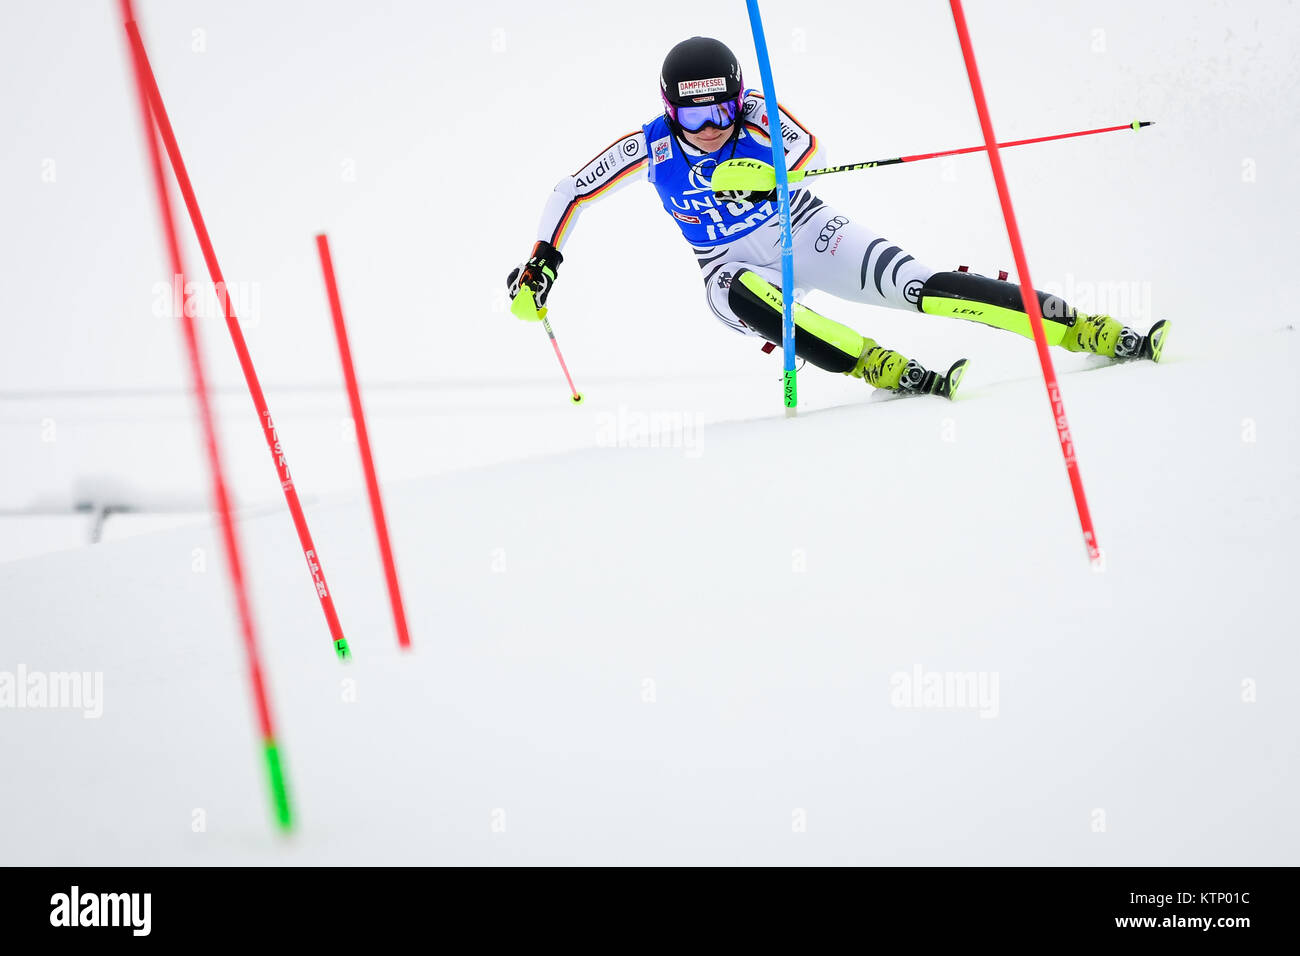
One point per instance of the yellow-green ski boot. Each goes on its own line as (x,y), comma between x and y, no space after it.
(887,369)
(1102,335)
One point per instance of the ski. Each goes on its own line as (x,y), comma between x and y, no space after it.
(1153,343)
(947,385)
(928,382)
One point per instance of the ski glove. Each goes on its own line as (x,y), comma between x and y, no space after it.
(741,195)
(538,273)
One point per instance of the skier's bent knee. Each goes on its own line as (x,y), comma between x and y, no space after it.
(826,343)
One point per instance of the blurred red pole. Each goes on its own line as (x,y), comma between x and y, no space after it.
(363,441)
(1028,296)
(241,349)
(234,562)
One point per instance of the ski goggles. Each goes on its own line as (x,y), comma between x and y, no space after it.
(695,118)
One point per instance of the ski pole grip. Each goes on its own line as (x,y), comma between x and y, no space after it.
(524,307)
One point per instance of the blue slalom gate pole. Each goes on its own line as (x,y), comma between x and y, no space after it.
(783,201)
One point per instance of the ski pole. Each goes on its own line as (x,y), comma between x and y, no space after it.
(576,398)
(525,307)
(750,175)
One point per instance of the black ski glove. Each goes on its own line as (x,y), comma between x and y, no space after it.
(538,273)
(741,195)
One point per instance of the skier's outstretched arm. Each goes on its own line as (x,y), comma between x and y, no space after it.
(621,162)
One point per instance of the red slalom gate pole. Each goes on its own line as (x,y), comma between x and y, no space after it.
(1028,296)
(237,339)
(363,441)
(234,561)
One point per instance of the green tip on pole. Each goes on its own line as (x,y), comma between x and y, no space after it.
(578,398)
(279,792)
(341,648)
(791,390)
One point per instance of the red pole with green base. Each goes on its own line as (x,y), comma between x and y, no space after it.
(153,99)
(257,683)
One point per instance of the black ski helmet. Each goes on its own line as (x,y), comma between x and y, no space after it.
(700,71)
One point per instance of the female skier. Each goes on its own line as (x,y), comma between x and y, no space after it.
(710,117)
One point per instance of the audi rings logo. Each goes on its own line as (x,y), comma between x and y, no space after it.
(828,232)
(631,146)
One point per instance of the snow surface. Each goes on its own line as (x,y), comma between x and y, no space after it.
(677,654)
